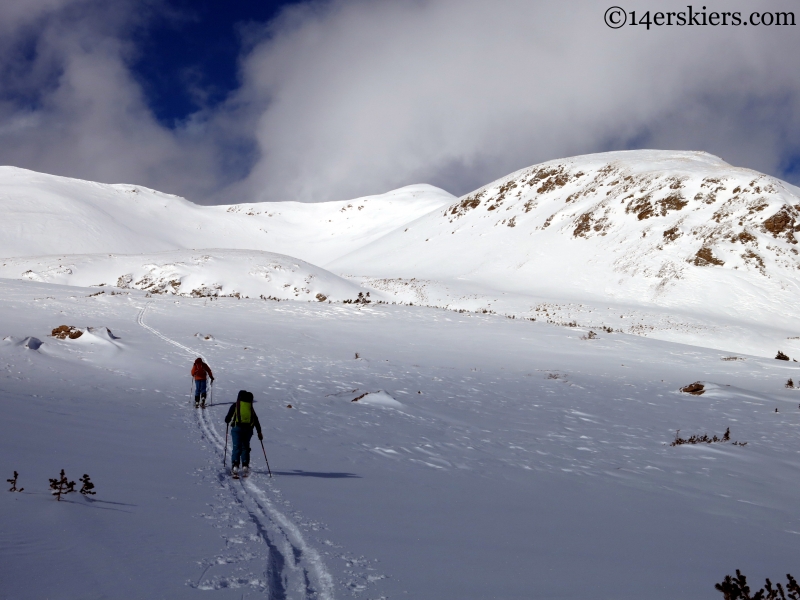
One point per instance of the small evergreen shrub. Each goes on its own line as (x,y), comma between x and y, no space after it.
(61,486)
(736,588)
(362,299)
(87,487)
(781,356)
(13,483)
(704,439)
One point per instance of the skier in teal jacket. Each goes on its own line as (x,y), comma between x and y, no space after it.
(242,417)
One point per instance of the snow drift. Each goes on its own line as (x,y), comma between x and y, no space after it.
(206,273)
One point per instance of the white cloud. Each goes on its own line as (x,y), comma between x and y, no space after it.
(370,95)
(356,96)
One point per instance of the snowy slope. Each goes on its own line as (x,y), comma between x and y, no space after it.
(490,458)
(44,214)
(206,273)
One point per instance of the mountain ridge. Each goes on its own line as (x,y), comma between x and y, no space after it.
(51,215)
(676,245)
(630,226)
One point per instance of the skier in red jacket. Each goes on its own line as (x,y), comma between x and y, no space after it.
(200,371)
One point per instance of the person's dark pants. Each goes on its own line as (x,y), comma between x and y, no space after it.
(240,435)
(199,389)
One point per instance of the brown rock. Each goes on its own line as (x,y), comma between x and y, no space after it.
(695,389)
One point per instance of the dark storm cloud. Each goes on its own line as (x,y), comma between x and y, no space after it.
(353,97)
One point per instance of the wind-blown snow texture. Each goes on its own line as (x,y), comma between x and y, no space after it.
(516,460)
(427,453)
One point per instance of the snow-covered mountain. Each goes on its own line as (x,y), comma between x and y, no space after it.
(676,245)
(679,230)
(48,215)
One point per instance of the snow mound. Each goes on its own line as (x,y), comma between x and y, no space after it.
(29,342)
(32,343)
(97,336)
(379,398)
(206,273)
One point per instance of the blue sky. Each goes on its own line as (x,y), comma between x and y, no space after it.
(334,99)
(195,44)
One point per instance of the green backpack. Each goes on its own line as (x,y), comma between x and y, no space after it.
(243,414)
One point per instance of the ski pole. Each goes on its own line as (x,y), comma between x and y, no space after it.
(265,457)
(212,393)
(224,454)
(191,390)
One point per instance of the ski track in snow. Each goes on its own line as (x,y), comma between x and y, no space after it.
(140,321)
(294,569)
